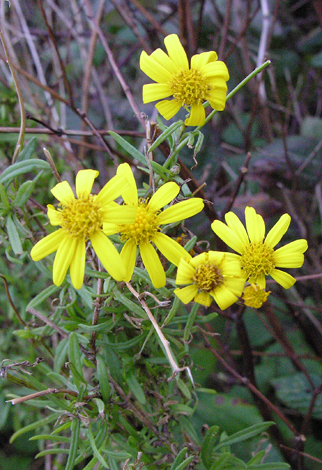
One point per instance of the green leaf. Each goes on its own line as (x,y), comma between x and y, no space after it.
(28,150)
(179,458)
(165,134)
(50,437)
(139,156)
(60,354)
(20,168)
(208,444)
(221,461)
(74,355)
(4,197)
(43,295)
(103,380)
(13,235)
(24,193)
(132,306)
(245,434)
(185,463)
(135,387)
(75,427)
(94,448)
(35,425)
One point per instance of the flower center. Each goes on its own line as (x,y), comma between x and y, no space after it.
(189,86)
(144,227)
(254,296)
(207,277)
(81,217)
(257,259)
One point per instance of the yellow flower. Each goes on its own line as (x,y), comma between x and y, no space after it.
(254,296)
(82,219)
(204,81)
(146,228)
(209,275)
(257,256)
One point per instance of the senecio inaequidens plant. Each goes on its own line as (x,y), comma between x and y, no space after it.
(223,276)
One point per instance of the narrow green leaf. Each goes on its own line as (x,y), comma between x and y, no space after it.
(75,428)
(53,451)
(208,445)
(104,383)
(165,134)
(60,354)
(179,458)
(20,168)
(221,461)
(257,458)
(24,193)
(74,355)
(160,170)
(50,437)
(4,197)
(43,295)
(191,319)
(91,464)
(198,144)
(13,235)
(132,306)
(135,388)
(34,425)
(185,463)
(245,434)
(94,448)
(28,150)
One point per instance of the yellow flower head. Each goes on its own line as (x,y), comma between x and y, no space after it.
(204,80)
(257,256)
(254,296)
(147,225)
(81,218)
(209,275)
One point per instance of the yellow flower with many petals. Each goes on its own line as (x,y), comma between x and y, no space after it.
(254,296)
(257,256)
(205,80)
(210,275)
(147,227)
(82,219)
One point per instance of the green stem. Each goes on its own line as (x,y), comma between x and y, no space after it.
(237,88)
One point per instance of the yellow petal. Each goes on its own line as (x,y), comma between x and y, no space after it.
(165,194)
(216,257)
(185,273)
(168,108)
(277,232)
(199,259)
(47,245)
(130,195)
(217,70)
(228,236)
(255,225)
(153,69)
(53,215)
(108,256)
(155,91)
(235,224)
(186,294)
(170,248)
(197,115)
(112,190)
(223,297)
(291,255)
(63,192)
(77,266)
(260,280)
(163,59)
(84,182)
(128,255)
(200,60)
(121,215)
(176,51)
(110,229)
(284,279)
(181,211)
(218,100)
(235,285)
(153,265)
(63,259)
(203,298)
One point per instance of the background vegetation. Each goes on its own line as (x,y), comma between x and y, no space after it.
(77,66)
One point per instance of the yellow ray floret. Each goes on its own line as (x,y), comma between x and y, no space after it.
(81,218)
(207,276)
(190,87)
(257,256)
(146,228)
